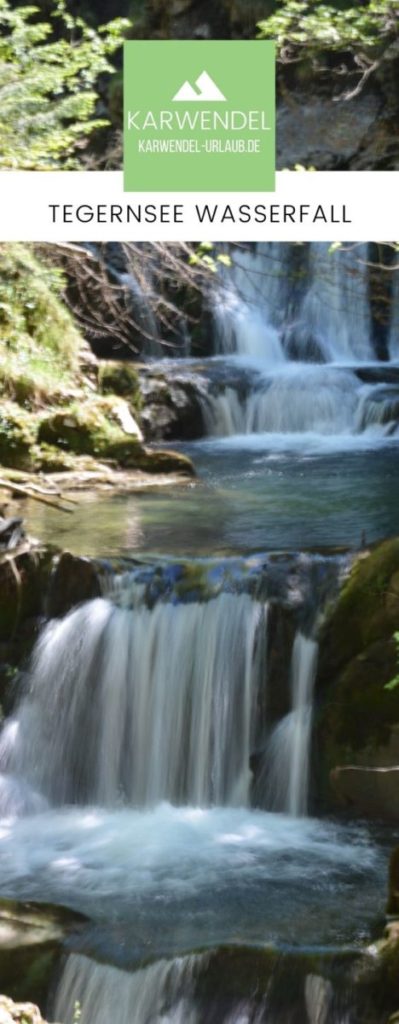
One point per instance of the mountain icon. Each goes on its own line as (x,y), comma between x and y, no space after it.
(208,91)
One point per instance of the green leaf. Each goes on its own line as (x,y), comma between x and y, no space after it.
(48,84)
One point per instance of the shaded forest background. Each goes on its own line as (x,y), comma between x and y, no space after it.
(337,75)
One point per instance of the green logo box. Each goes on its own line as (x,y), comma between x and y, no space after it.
(199,116)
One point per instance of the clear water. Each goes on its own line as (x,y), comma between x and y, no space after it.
(253,493)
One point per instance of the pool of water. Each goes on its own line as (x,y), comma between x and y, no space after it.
(169,880)
(252,493)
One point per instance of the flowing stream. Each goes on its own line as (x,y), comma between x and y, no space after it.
(157,775)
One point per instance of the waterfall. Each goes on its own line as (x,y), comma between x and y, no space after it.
(296,399)
(335,307)
(242,329)
(286,769)
(304,664)
(139,705)
(166,993)
(305,298)
(142,704)
(159,994)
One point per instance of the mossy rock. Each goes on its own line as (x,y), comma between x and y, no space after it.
(18,430)
(358,658)
(88,429)
(367,609)
(121,379)
(161,461)
(360,711)
(31,942)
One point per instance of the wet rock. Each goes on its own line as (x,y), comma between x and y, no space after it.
(31,940)
(372,792)
(19,1013)
(383,374)
(162,461)
(73,581)
(11,532)
(22,585)
(302,346)
(359,715)
(367,609)
(9,600)
(393,885)
(171,406)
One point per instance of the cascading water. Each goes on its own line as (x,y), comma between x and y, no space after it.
(312,301)
(160,994)
(286,774)
(156,774)
(297,321)
(142,705)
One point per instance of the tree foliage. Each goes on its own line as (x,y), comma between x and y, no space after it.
(312,24)
(48,77)
(368,31)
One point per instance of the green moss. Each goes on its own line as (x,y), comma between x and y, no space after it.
(121,379)
(161,461)
(361,711)
(32,313)
(50,459)
(88,429)
(39,342)
(92,428)
(368,606)
(358,659)
(18,430)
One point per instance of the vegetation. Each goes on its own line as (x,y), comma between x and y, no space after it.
(49,75)
(393,683)
(307,28)
(39,341)
(59,410)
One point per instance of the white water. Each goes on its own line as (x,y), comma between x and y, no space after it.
(164,993)
(303,314)
(319,296)
(160,994)
(335,306)
(296,399)
(285,774)
(165,868)
(142,705)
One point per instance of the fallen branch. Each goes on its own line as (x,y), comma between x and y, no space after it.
(26,492)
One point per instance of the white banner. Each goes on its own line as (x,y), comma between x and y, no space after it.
(306,206)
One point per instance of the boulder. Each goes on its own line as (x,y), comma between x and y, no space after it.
(162,461)
(105,428)
(19,1013)
(31,940)
(18,429)
(171,406)
(358,719)
(346,127)
(369,792)
(92,428)
(73,581)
